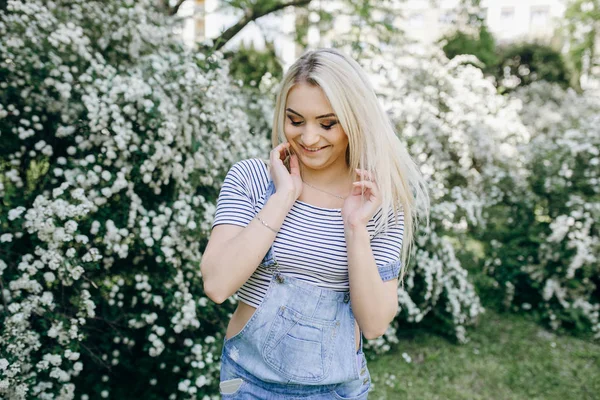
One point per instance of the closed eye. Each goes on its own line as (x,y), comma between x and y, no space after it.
(297,123)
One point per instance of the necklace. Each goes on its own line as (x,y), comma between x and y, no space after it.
(321,190)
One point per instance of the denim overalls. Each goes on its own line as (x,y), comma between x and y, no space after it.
(299,343)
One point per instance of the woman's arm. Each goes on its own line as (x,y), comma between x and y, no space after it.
(233,252)
(239,241)
(374,302)
(373,264)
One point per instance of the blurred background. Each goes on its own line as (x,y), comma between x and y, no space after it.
(567,27)
(119,120)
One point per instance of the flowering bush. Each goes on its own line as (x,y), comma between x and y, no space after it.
(115,141)
(447,114)
(462,134)
(544,245)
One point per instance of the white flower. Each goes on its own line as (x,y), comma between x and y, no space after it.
(201,381)
(49,277)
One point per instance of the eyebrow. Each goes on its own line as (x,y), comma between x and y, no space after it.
(320,116)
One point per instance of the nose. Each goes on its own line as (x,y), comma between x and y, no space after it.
(310,136)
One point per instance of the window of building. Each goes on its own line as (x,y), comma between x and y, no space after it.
(507,13)
(539,15)
(416,20)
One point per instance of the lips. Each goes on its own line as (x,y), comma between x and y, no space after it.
(313,151)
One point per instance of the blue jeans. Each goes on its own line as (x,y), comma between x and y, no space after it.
(299,343)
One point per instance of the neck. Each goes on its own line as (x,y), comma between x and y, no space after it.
(331,177)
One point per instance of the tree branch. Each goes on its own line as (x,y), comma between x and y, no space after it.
(173,10)
(93,355)
(163,6)
(3,298)
(252,14)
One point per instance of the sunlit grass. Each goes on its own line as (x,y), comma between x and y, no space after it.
(508,357)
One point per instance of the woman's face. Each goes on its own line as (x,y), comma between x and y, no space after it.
(311,123)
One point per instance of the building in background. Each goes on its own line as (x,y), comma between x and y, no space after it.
(508,20)
(530,20)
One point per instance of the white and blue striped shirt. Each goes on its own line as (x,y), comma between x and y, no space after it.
(310,245)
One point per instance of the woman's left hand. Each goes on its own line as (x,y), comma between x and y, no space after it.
(355,212)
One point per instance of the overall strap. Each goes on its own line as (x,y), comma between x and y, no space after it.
(269,261)
(270,186)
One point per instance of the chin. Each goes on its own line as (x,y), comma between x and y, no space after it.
(318,164)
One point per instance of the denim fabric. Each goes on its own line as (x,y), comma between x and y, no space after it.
(254,388)
(390,271)
(299,343)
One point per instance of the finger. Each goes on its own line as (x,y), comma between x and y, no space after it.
(365,174)
(368,184)
(372,186)
(294,166)
(272,156)
(276,153)
(283,151)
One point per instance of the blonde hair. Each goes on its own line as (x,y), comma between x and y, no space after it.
(373,143)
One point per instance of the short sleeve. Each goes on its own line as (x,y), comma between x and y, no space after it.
(387,246)
(235,204)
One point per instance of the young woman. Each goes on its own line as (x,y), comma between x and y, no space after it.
(311,241)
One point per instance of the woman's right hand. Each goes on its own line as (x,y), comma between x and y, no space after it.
(285,182)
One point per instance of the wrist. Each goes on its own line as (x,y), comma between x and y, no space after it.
(285,198)
(354,229)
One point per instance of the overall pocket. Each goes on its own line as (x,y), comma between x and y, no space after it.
(231,387)
(300,347)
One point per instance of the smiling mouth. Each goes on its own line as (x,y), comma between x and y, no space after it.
(313,151)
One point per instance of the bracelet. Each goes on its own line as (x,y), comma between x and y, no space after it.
(265,224)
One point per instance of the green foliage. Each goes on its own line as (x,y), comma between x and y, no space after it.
(114,147)
(370,27)
(582,25)
(483,47)
(512,65)
(256,72)
(248,65)
(530,62)
(542,238)
(471,12)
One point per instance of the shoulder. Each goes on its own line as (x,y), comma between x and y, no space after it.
(249,163)
(391,216)
(251,173)
(376,225)
(250,167)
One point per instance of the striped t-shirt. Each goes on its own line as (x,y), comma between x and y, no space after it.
(310,245)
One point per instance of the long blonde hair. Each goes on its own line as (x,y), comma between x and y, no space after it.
(373,143)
